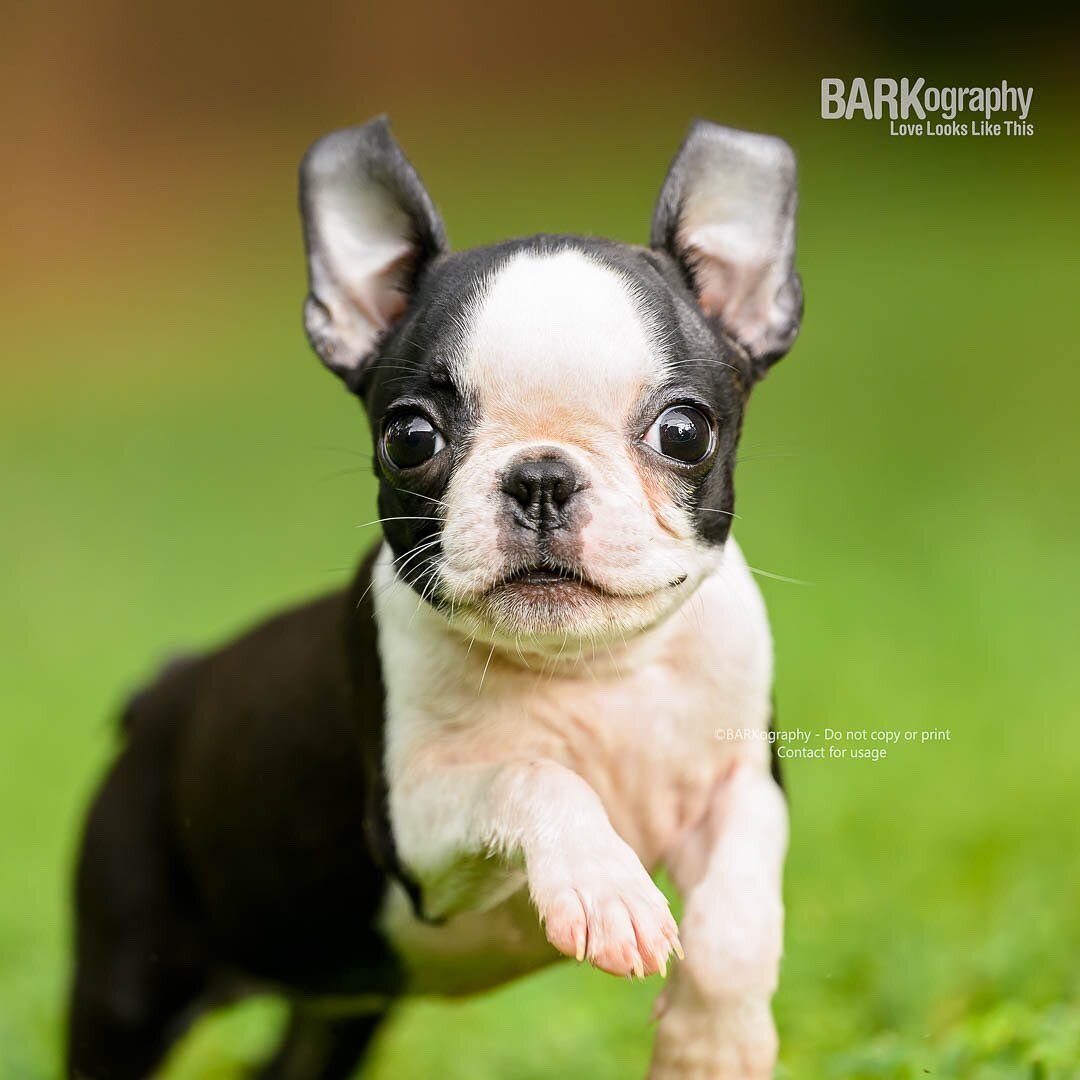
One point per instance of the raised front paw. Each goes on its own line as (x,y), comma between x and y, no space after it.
(602,906)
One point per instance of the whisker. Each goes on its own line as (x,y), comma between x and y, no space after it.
(397,379)
(521,655)
(777,577)
(559,655)
(399,517)
(437,502)
(370,586)
(614,662)
(700,360)
(431,584)
(397,569)
(483,675)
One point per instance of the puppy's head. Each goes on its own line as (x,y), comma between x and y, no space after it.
(555,418)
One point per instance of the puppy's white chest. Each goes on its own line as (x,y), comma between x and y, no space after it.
(639,723)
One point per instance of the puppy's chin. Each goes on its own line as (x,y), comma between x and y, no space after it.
(558,614)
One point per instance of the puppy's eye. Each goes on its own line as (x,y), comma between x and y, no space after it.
(410,439)
(683,433)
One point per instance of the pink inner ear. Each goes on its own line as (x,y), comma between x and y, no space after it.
(380,297)
(394,297)
(361,292)
(731,274)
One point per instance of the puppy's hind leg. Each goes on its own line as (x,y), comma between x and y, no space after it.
(141,966)
(318,1047)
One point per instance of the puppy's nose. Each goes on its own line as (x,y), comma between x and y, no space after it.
(541,488)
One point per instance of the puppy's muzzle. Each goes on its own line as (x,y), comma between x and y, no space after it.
(540,489)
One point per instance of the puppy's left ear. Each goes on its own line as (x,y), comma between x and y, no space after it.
(369,230)
(726,213)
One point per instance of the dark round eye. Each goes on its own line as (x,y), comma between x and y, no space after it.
(410,439)
(683,433)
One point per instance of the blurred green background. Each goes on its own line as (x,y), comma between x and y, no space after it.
(175,463)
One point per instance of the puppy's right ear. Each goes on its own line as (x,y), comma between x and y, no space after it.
(369,230)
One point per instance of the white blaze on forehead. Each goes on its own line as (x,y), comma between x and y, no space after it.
(557,333)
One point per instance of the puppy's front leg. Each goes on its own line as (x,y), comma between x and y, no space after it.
(715,1017)
(595,899)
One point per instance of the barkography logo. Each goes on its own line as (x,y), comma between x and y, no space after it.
(915,109)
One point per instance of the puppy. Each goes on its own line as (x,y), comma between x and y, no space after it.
(470,761)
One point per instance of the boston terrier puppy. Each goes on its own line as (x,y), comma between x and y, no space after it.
(471,761)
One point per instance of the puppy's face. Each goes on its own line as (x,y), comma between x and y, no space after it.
(556,431)
(555,418)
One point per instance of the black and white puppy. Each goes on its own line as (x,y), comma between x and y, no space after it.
(472,760)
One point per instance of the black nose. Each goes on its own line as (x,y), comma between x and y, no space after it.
(541,488)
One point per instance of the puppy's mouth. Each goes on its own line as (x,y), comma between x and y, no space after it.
(546,580)
(548,601)
(551,582)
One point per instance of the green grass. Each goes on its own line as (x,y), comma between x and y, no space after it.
(176,464)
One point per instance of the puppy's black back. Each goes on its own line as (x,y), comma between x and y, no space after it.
(273,791)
